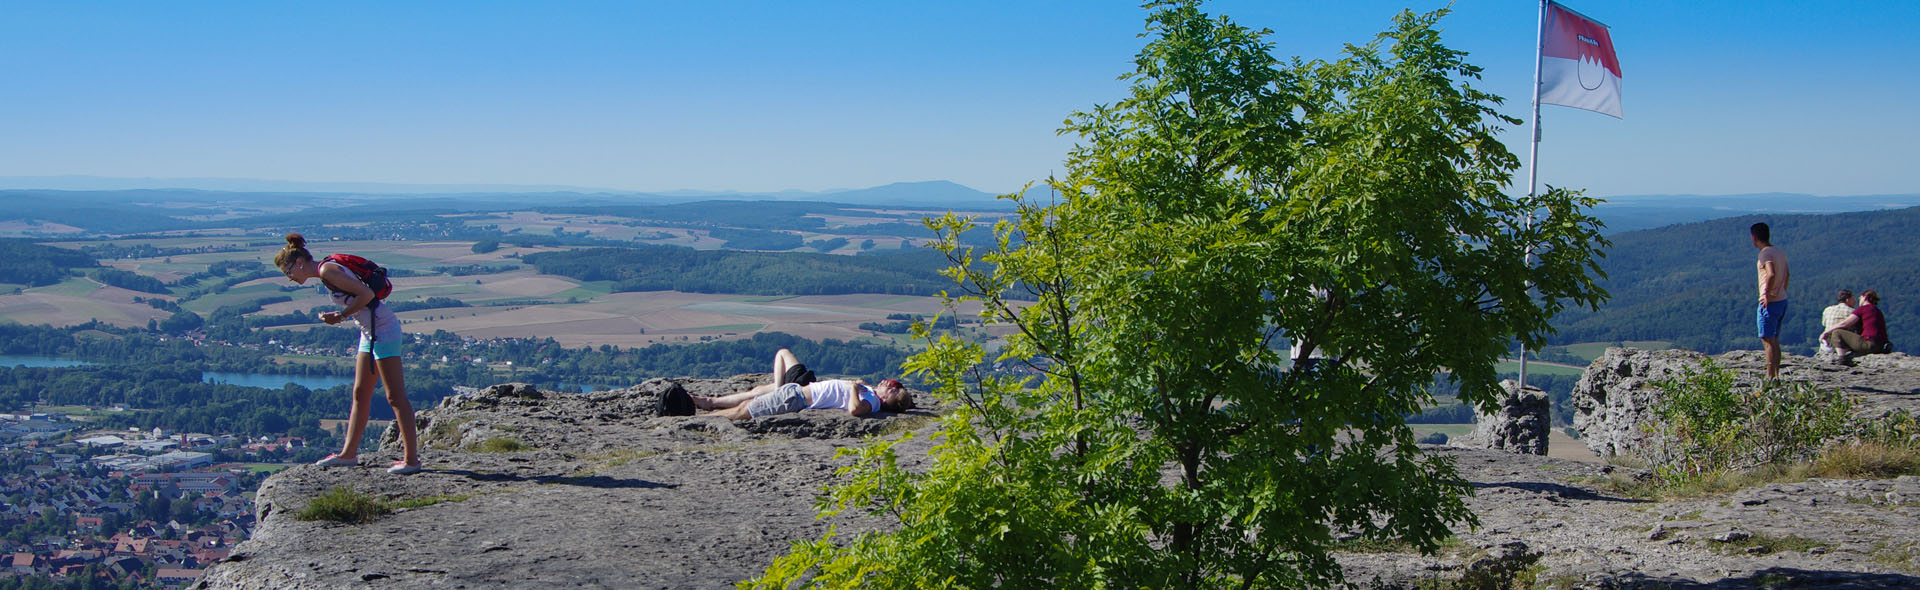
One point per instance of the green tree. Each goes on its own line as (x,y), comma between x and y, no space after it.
(1230,202)
(181,321)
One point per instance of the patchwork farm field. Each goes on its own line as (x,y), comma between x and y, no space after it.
(77,301)
(640,319)
(518,303)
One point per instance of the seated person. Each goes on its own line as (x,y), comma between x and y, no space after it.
(794,389)
(1833,315)
(1863,332)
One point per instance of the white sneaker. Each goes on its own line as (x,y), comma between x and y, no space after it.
(402,468)
(334,460)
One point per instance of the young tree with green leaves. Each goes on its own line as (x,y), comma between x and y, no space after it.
(1233,203)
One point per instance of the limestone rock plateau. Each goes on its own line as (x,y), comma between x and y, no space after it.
(597,492)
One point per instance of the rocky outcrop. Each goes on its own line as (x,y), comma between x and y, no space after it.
(1520,425)
(1617,395)
(530,489)
(1613,402)
(593,491)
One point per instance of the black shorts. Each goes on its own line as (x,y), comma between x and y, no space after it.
(797,373)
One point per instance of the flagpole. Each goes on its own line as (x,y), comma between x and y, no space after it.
(1533,155)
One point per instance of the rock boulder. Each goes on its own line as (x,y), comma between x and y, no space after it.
(1521,425)
(1613,402)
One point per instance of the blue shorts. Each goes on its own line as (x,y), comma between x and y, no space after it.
(384,348)
(1769,317)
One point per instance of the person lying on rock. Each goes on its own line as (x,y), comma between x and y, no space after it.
(794,389)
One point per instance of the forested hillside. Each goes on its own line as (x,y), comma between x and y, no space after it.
(1694,284)
(31,264)
(658,268)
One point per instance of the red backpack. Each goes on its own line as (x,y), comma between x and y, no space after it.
(372,274)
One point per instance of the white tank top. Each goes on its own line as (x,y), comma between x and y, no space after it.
(833,394)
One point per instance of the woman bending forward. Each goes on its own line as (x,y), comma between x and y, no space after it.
(379,356)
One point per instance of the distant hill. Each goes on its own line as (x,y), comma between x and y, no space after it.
(1636,212)
(122,211)
(926,193)
(1694,285)
(936,193)
(256,185)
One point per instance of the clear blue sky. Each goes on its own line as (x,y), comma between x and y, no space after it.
(1720,97)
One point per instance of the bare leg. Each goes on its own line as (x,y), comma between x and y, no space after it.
(1773,356)
(781,362)
(363,379)
(733,399)
(391,376)
(733,413)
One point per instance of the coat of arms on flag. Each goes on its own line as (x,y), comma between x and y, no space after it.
(1577,64)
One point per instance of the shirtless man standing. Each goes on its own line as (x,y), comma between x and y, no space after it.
(1772,267)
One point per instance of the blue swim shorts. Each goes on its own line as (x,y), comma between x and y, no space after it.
(384,348)
(1769,317)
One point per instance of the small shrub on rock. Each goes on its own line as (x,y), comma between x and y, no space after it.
(1707,424)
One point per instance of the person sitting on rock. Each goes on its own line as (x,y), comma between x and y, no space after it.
(1833,315)
(794,389)
(1864,332)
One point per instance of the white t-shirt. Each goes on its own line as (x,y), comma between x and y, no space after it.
(1832,316)
(377,323)
(837,394)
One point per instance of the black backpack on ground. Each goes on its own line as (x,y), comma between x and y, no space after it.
(675,401)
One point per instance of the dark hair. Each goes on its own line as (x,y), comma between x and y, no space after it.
(1873,297)
(1846,296)
(906,399)
(1760,232)
(295,251)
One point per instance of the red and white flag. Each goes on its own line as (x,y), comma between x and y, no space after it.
(1577,64)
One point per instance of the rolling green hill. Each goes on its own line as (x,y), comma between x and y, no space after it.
(1694,284)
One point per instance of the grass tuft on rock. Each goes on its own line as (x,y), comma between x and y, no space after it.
(430,500)
(501,445)
(1904,557)
(342,504)
(1852,460)
(1863,460)
(444,434)
(1762,544)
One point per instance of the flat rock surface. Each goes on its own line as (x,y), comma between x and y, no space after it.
(1813,534)
(606,496)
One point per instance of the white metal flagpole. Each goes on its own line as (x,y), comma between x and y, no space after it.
(1533,154)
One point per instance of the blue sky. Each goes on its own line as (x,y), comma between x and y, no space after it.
(1720,97)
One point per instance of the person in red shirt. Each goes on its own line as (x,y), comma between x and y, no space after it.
(1864,332)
